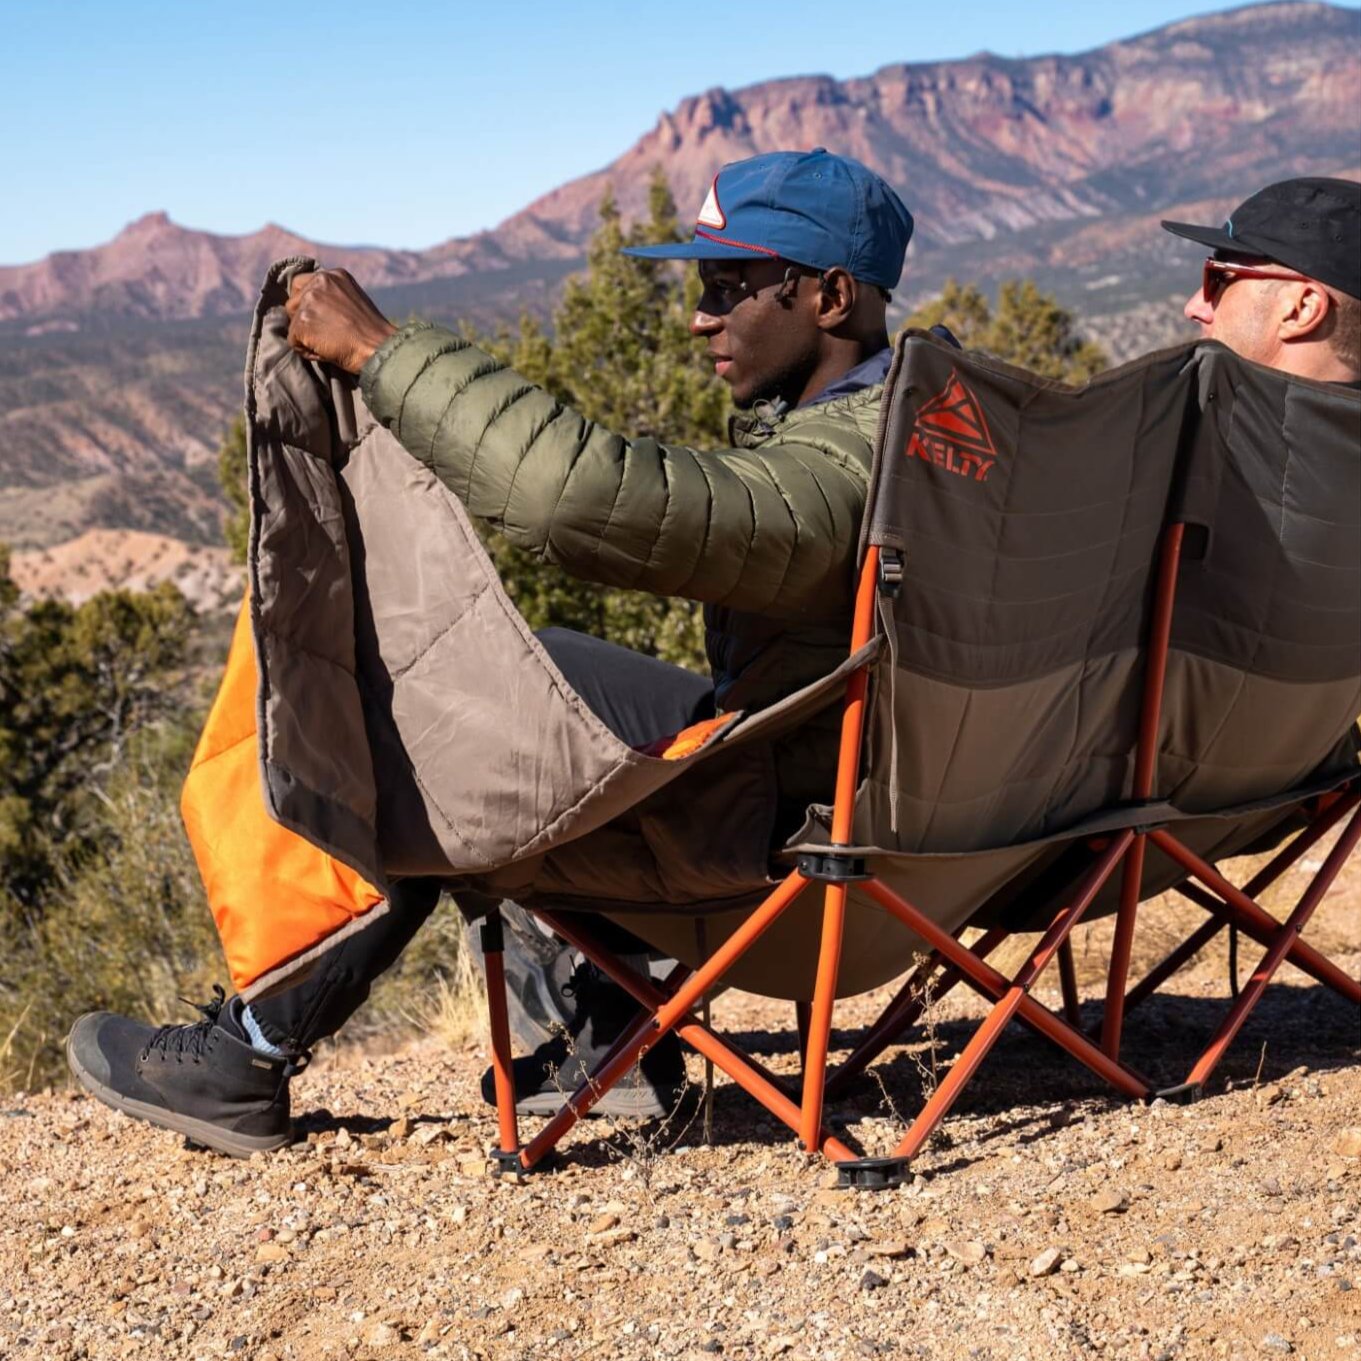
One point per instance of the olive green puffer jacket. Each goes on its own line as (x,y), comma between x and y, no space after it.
(763,533)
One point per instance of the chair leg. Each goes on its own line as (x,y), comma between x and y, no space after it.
(1072,1002)
(754,1079)
(1276,954)
(1222,915)
(1232,909)
(1240,909)
(985,1037)
(820,1021)
(1117,978)
(493,948)
(925,985)
(1012,998)
(673,1012)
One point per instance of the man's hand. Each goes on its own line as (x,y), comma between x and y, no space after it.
(332,319)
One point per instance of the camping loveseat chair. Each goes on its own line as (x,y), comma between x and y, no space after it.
(1122,641)
(1104,638)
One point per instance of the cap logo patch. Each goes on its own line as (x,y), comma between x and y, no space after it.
(711,215)
(951,433)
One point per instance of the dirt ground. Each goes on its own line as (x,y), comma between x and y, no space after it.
(1050,1221)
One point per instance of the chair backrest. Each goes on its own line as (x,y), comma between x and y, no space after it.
(1028,516)
(1004,723)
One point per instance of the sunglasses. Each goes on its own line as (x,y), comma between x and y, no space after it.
(729,288)
(1217,275)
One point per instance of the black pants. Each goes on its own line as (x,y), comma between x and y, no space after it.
(638,698)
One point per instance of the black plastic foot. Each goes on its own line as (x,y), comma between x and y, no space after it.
(1185,1094)
(873,1174)
(503,1163)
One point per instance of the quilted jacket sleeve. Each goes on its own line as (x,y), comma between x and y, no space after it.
(770,529)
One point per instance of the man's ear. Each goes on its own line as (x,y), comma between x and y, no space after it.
(1309,307)
(836,299)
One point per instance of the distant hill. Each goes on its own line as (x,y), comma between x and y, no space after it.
(118,365)
(108,559)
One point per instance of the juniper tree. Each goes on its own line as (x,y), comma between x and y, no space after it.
(77,684)
(232,474)
(1027,327)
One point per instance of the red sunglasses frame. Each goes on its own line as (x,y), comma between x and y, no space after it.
(1217,275)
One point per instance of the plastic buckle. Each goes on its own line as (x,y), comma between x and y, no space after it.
(873,1174)
(890,573)
(833,868)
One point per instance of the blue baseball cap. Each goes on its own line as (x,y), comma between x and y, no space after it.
(808,207)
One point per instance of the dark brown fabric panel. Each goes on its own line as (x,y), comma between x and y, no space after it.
(1018,639)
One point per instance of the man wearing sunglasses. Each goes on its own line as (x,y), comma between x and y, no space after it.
(797,253)
(1282,286)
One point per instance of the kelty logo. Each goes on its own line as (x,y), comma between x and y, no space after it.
(951,433)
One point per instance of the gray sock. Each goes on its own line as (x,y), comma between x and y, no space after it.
(257,1036)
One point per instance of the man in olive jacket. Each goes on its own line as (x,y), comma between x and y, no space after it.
(797,253)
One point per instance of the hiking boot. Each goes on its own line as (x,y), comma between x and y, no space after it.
(603,1011)
(202,1080)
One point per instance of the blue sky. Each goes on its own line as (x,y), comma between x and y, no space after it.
(404,122)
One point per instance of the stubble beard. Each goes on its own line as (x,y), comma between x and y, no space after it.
(786,384)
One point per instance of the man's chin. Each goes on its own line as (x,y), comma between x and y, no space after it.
(745,399)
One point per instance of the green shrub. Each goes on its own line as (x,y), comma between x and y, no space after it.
(122,925)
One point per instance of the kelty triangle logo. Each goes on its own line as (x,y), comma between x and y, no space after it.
(951,433)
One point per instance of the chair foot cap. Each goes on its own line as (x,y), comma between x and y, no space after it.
(1184,1094)
(503,1163)
(873,1174)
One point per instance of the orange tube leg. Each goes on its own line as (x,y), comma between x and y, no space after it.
(493,947)
(820,1023)
(1122,947)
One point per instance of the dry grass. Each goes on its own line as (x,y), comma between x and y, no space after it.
(453,1008)
(12,1074)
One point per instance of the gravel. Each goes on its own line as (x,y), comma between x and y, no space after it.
(1053,1222)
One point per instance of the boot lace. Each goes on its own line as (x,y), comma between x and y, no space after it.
(583,987)
(190,1039)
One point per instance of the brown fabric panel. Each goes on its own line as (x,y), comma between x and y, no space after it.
(980,769)
(382,626)
(1274,473)
(1229,738)
(1048,560)
(301,600)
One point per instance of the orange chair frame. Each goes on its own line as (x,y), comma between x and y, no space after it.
(671,1005)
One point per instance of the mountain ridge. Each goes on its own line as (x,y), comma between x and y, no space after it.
(981,147)
(119,366)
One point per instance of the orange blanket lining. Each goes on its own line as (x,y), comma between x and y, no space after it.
(687,741)
(273,894)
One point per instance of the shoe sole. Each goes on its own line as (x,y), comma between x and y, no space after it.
(200,1131)
(629,1103)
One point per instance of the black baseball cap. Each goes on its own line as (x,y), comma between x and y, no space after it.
(1309,225)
